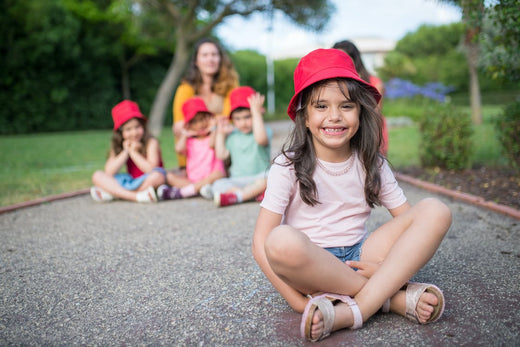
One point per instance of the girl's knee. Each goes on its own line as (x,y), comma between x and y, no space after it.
(157,178)
(285,244)
(96,176)
(437,209)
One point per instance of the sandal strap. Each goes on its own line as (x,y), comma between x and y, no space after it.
(356,313)
(414,291)
(327,309)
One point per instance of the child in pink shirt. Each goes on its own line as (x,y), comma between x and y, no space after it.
(196,142)
(310,238)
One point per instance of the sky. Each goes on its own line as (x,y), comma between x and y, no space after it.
(353,19)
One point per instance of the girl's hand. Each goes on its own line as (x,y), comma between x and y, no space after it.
(136,146)
(224,126)
(189,133)
(365,268)
(126,145)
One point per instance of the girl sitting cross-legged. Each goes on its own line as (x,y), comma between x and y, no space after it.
(310,238)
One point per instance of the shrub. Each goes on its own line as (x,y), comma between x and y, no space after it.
(508,131)
(445,138)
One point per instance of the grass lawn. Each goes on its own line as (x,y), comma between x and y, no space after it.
(40,165)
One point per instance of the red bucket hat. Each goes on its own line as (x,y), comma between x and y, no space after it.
(192,106)
(238,98)
(124,111)
(322,64)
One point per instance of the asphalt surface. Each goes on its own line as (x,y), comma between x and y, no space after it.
(76,272)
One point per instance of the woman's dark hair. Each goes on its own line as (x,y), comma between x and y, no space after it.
(299,150)
(226,77)
(351,49)
(117,139)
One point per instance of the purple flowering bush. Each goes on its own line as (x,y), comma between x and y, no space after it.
(399,88)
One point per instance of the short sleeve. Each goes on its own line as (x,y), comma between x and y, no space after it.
(391,195)
(281,185)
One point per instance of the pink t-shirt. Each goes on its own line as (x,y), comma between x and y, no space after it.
(340,217)
(201,160)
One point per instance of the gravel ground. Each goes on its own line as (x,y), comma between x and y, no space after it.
(76,272)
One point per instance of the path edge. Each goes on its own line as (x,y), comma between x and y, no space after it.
(43,200)
(465,197)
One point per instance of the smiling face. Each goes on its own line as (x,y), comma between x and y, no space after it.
(333,119)
(208,59)
(132,130)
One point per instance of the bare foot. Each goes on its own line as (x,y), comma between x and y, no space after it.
(343,319)
(425,306)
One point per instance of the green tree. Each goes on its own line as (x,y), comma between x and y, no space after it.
(500,40)
(429,54)
(472,15)
(250,65)
(55,69)
(193,20)
(135,35)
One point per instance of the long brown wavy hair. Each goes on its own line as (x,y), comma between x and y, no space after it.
(117,139)
(226,78)
(299,149)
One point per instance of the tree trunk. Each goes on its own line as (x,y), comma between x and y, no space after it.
(125,83)
(125,79)
(474,87)
(163,96)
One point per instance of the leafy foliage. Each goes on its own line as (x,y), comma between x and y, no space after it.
(251,67)
(63,71)
(446,138)
(508,132)
(500,40)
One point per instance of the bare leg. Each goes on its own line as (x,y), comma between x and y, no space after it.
(154,179)
(177,180)
(215,175)
(414,235)
(251,191)
(109,184)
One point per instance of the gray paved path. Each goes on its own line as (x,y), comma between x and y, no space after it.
(181,273)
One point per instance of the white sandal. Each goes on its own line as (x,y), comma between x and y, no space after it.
(325,303)
(414,291)
(100,195)
(147,195)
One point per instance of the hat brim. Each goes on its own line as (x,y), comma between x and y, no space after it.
(325,74)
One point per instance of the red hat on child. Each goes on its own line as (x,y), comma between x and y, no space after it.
(322,64)
(124,111)
(192,106)
(238,97)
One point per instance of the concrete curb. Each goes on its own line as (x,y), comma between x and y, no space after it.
(43,200)
(468,198)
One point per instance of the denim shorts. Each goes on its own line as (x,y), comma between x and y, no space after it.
(128,182)
(347,253)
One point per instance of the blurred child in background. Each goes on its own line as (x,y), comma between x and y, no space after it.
(133,146)
(247,143)
(196,141)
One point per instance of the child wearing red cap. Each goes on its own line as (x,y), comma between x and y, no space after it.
(310,238)
(133,147)
(247,143)
(196,142)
